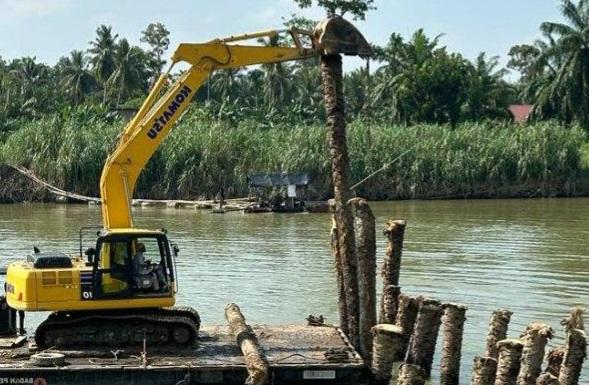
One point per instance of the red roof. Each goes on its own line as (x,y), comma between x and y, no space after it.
(520,112)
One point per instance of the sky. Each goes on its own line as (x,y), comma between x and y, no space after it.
(49,29)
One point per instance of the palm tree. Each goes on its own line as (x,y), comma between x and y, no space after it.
(5,87)
(395,91)
(565,87)
(76,79)
(253,82)
(355,90)
(103,51)
(537,87)
(225,84)
(31,76)
(277,76)
(130,70)
(307,96)
(488,93)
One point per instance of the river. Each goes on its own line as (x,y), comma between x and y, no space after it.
(530,256)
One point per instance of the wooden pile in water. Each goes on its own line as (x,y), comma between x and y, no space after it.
(403,343)
(408,326)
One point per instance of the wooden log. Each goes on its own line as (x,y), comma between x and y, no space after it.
(341,290)
(554,360)
(391,268)
(386,350)
(497,331)
(534,340)
(425,334)
(547,379)
(453,322)
(331,72)
(53,189)
(364,225)
(483,371)
(152,203)
(389,304)
(508,363)
(411,375)
(202,206)
(572,363)
(255,361)
(406,316)
(574,320)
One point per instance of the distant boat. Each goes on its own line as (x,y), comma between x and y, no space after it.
(256,208)
(287,210)
(317,206)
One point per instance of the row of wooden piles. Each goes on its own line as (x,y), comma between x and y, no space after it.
(400,345)
(407,328)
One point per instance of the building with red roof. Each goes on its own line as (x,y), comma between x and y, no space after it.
(520,112)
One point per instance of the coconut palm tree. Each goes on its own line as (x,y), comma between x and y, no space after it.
(130,71)
(488,94)
(395,91)
(103,51)
(277,76)
(31,77)
(355,90)
(306,93)
(225,84)
(6,86)
(253,82)
(565,87)
(76,80)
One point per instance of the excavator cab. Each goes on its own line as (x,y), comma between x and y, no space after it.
(129,265)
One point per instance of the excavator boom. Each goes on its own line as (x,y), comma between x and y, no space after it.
(153,122)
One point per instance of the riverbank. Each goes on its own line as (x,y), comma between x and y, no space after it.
(475,160)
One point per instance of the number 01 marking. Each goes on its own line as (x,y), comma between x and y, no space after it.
(87,294)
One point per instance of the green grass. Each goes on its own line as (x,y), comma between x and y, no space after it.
(473,160)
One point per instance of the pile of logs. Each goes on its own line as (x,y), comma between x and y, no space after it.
(519,361)
(408,327)
(403,343)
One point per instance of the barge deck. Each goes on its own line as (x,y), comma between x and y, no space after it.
(296,355)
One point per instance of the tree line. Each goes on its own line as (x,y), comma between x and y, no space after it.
(408,81)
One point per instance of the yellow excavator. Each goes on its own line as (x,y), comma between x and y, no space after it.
(122,291)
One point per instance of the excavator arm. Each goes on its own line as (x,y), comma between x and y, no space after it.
(154,120)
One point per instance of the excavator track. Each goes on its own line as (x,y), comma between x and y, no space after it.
(171,326)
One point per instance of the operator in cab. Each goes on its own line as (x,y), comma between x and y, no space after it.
(146,275)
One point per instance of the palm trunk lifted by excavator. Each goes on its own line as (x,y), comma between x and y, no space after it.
(123,290)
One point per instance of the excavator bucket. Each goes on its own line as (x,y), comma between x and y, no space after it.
(335,35)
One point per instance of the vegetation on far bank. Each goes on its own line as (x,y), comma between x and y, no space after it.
(449,112)
(413,80)
(472,160)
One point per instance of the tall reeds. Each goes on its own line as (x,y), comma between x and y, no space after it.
(473,160)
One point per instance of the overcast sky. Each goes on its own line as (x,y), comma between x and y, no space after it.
(49,29)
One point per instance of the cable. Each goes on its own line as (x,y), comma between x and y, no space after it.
(384,167)
(185,381)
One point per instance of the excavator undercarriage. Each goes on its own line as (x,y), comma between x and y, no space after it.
(175,326)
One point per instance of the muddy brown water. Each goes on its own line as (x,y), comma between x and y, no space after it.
(530,256)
